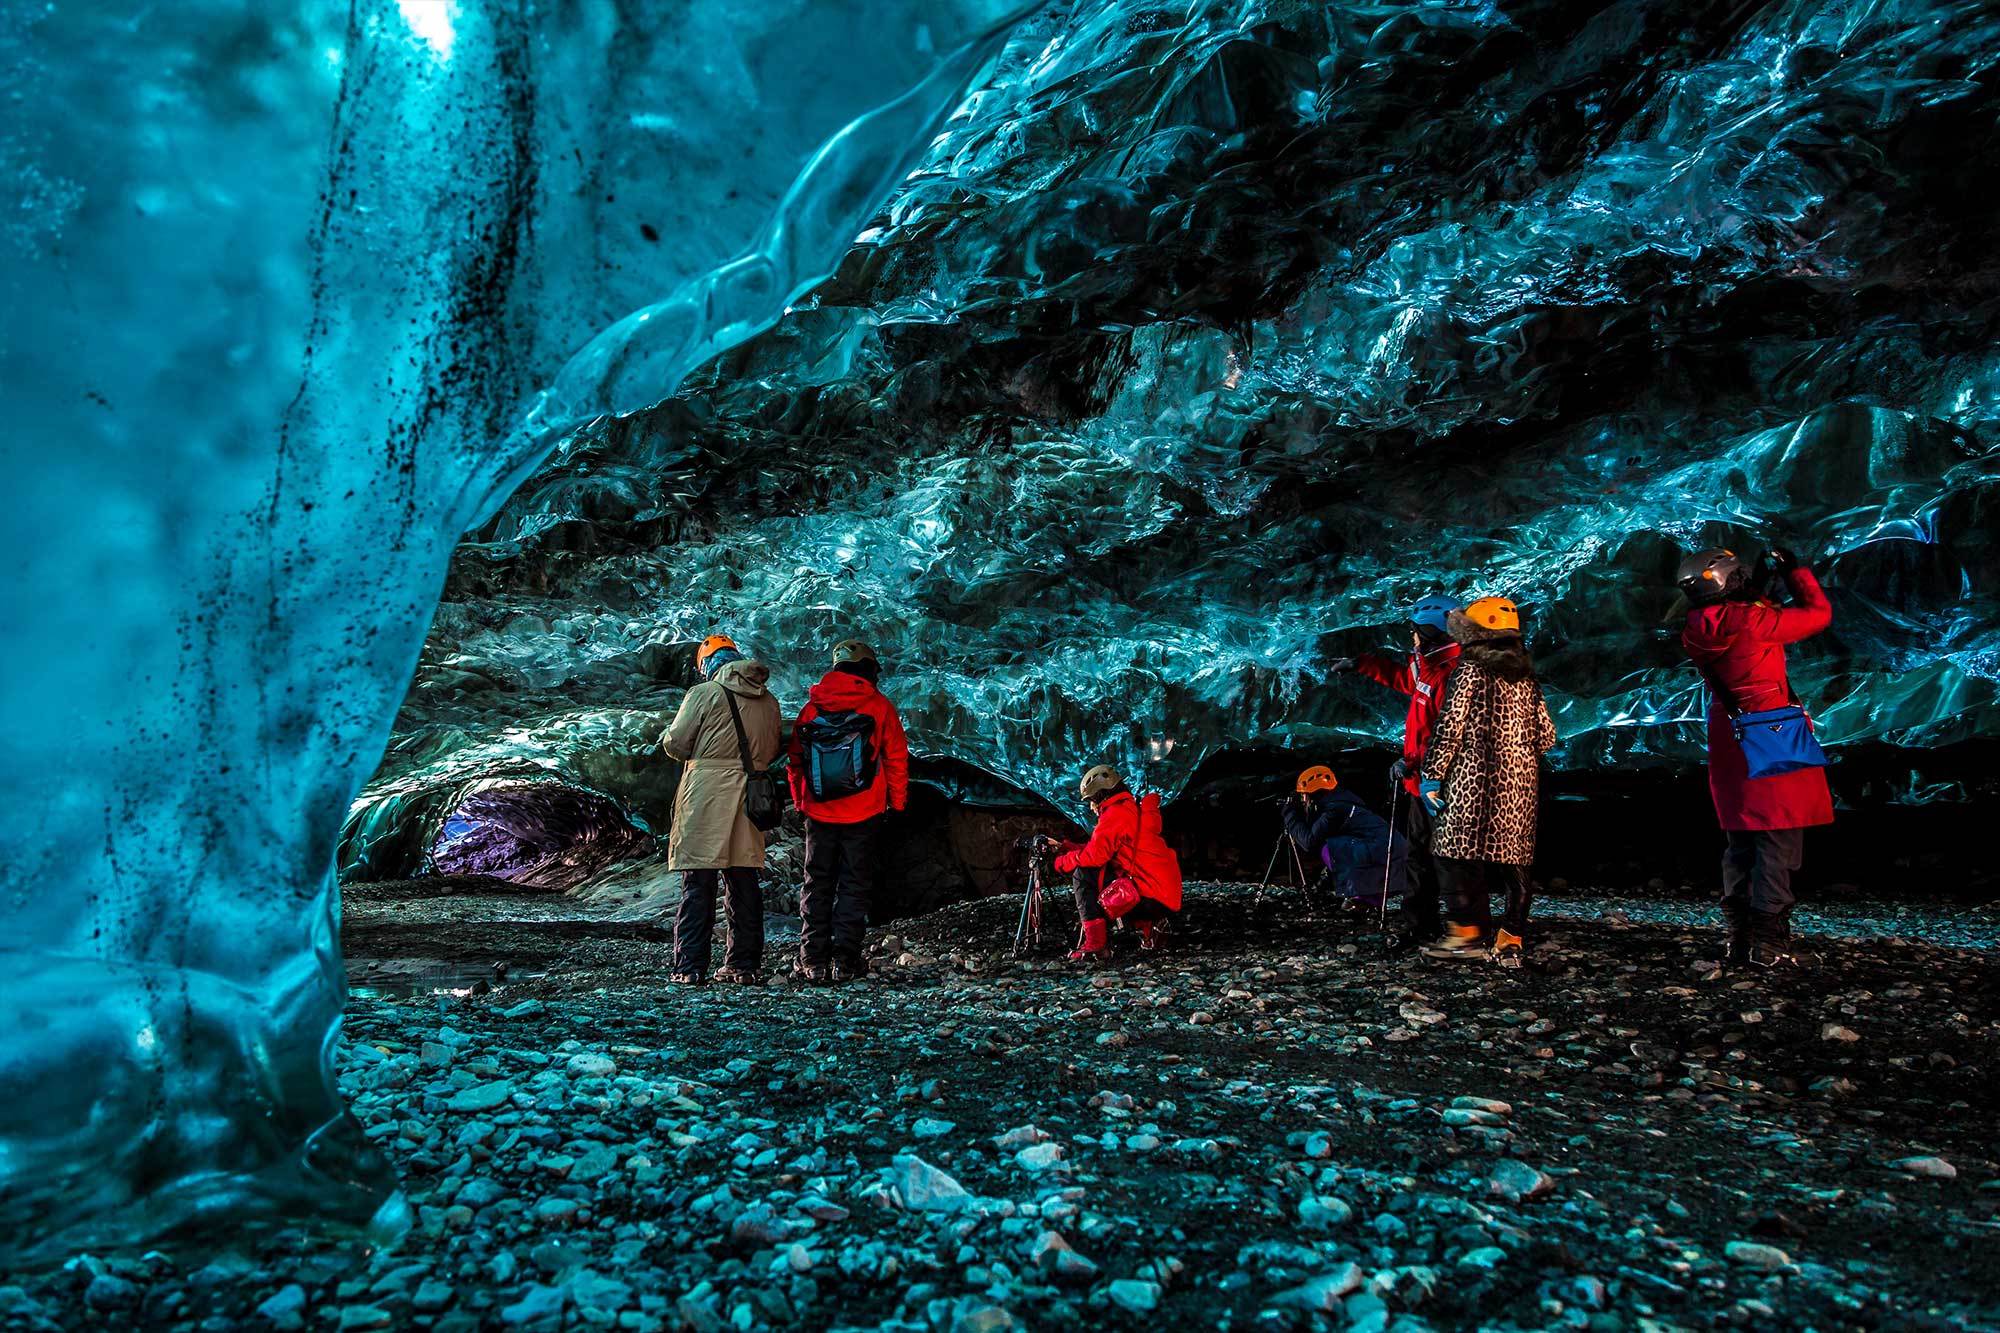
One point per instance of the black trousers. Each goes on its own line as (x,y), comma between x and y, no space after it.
(1757,871)
(842,867)
(694,919)
(1469,885)
(1090,879)
(1420,895)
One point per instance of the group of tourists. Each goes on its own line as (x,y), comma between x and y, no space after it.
(1461,828)
(847,768)
(1476,729)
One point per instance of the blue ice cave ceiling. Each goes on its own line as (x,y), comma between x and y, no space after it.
(1206,336)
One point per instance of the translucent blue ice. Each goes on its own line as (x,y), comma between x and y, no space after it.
(295,292)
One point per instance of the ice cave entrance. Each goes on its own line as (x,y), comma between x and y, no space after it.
(544,834)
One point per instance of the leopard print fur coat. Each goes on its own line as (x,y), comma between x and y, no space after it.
(1486,749)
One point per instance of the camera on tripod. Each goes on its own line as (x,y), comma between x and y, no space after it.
(1037,844)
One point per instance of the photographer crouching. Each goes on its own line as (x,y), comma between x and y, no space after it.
(1125,870)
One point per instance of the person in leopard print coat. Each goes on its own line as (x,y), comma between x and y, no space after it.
(1482,777)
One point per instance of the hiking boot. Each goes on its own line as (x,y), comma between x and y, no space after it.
(1506,950)
(1771,943)
(738,976)
(1149,936)
(686,978)
(1457,942)
(849,969)
(1741,937)
(1096,943)
(810,974)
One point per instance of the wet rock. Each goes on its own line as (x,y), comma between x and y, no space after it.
(110,1292)
(1516,1181)
(1835,1032)
(1322,1293)
(1132,1294)
(1763,1258)
(1934,1168)
(588,1064)
(925,1189)
(481,1097)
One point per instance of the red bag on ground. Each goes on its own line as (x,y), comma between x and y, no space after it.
(1118,897)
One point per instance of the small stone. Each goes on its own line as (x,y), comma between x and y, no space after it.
(363,1317)
(1763,1258)
(589,1064)
(1485,1257)
(924,1188)
(1323,1293)
(1319,1213)
(1517,1181)
(1935,1168)
(432,1296)
(928,1128)
(1040,1157)
(287,1308)
(537,1304)
(1835,1032)
(594,1165)
(481,1096)
(1134,1295)
(109,1292)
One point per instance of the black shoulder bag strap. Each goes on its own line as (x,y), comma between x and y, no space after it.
(736,719)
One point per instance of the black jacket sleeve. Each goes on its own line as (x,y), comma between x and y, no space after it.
(1310,829)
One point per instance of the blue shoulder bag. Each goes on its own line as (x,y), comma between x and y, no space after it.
(1775,740)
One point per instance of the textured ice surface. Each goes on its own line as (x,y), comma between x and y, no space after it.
(284,284)
(1214,334)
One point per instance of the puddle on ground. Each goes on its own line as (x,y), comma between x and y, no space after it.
(411,978)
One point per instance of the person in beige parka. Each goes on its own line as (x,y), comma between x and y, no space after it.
(712,839)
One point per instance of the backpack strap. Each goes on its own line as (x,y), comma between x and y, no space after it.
(736,718)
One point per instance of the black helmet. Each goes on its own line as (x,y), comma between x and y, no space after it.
(1708,577)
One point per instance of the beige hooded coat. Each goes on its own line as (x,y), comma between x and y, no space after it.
(710,831)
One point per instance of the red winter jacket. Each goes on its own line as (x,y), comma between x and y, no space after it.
(1127,839)
(1740,649)
(844,692)
(1422,677)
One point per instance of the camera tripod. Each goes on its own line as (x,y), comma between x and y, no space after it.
(1028,933)
(1298,869)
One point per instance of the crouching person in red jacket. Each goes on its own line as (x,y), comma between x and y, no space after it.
(1125,870)
(849,768)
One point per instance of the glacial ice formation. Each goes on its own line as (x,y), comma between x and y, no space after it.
(1197,340)
(1213,334)
(296,293)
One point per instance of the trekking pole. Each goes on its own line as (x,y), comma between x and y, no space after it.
(1389,856)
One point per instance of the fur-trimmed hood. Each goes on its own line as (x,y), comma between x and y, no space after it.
(1498,651)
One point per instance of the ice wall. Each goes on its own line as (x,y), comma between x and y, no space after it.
(1214,334)
(296,292)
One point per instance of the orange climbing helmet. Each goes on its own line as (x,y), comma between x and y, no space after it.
(1317,778)
(710,646)
(1496,613)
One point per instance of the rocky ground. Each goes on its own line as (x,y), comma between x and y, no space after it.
(1270,1125)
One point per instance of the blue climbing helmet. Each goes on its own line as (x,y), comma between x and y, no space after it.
(1431,611)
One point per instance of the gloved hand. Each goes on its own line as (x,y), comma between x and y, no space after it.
(1399,770)
(1783,560)
(1431,792)
(1340,666)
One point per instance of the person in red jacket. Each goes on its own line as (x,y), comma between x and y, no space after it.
(1737,639)
(849,768)
(1124,847)
(1421,678)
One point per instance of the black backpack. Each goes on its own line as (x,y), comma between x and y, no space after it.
(840,755)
